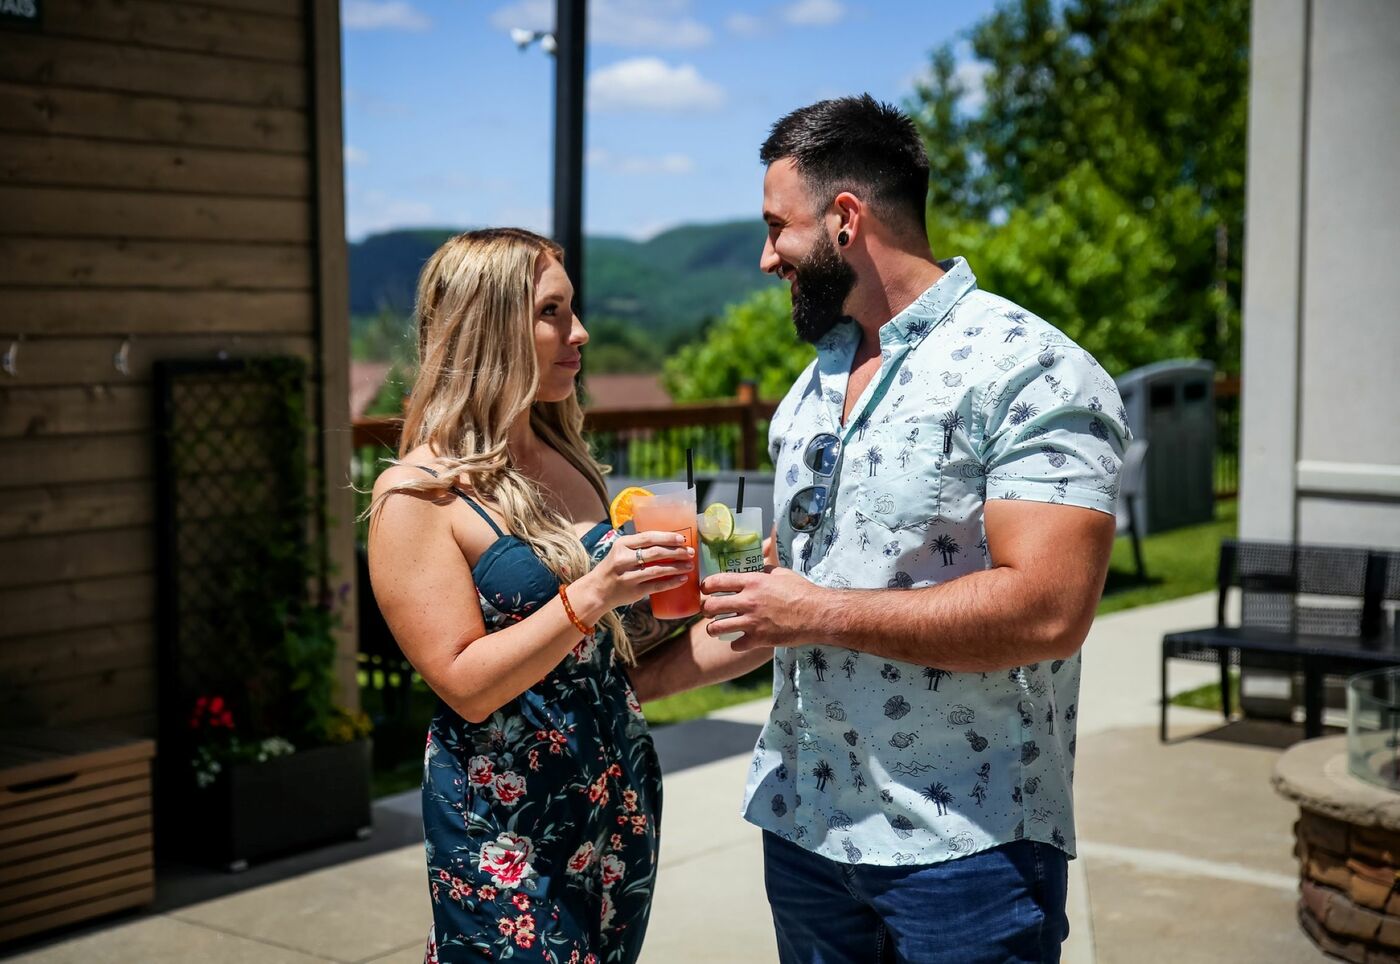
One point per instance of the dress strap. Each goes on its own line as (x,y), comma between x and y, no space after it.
(469,501)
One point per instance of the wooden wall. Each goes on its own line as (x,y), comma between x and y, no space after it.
(168,172)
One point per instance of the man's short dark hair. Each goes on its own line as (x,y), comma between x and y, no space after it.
(856,144)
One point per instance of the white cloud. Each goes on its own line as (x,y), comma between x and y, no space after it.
(620,23)
(631,165)
(370,212)
(744,24)
(354,157)
(971,75)
(649,83)
(382,15)
(814,13)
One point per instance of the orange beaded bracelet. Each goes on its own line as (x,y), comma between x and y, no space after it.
(573,618)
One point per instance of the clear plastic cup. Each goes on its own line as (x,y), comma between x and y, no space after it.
(742,551)
(671,509)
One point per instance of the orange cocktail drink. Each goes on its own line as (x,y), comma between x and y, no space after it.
(672,512)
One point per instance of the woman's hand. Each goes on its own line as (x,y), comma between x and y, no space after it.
(639,565)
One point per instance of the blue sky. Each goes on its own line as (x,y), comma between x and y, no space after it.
(447,123)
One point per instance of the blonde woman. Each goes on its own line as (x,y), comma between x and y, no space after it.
(541,789)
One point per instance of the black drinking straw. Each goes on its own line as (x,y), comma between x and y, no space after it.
(740,500)
(689,468)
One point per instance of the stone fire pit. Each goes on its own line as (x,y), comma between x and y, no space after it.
(1348,848)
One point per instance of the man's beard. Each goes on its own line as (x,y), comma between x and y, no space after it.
(824,281)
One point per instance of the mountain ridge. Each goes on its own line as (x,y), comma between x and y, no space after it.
(667,286)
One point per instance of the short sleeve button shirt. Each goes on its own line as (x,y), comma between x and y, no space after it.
(871,760)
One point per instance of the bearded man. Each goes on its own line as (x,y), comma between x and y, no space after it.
(945,495)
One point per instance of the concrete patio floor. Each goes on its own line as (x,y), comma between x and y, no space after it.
(1185,851)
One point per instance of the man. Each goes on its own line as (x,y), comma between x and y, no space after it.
(946,482)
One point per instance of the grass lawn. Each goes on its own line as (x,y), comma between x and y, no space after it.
(1208,697)
(1179,563)
(707,699)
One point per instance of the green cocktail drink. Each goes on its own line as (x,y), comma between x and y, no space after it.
(730,542)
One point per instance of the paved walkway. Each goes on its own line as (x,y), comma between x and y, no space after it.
(1185,851)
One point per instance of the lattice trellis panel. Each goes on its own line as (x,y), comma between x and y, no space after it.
(234,511)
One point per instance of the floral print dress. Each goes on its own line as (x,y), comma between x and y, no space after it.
(541,822)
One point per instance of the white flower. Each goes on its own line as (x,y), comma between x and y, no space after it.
(507,859)
(582,859)
(510,787)
(612,868)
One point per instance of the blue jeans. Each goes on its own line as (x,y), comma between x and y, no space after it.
(1003,904)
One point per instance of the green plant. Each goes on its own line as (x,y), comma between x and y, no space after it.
(268,610)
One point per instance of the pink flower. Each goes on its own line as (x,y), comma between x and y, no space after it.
(488,893)
(506,926)
(633,704)
(430,952)
(480,771)
(612,868)
(629,801)
(598,791)
(582,859)
(616,841)
(522,903)
(510,787)
(608,911)
(507,859)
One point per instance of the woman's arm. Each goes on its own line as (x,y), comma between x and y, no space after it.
(425,590)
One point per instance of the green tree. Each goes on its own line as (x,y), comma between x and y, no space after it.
(618,346)
(752,341)
(1090,264)
(1121,114)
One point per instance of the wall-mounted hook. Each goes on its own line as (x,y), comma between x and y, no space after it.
(121,361)
(9,362)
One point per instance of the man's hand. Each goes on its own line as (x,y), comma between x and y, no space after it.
(773,608)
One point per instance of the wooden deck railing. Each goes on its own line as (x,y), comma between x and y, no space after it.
(615,430)
(727,434)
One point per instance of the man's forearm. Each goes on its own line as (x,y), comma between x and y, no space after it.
(696,659)
(984,621)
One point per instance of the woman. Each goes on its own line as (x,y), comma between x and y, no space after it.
(541,789)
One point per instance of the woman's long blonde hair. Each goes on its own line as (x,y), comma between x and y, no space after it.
(478,374)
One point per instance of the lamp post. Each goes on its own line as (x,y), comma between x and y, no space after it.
(567,44)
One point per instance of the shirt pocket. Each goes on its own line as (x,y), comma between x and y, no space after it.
(897,471)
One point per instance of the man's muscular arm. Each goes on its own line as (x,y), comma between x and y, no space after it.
(1036,603)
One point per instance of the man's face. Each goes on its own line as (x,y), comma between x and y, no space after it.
(799,250)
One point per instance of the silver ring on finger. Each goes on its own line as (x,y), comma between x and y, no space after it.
(641,562)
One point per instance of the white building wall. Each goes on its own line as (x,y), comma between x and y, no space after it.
(1321,410)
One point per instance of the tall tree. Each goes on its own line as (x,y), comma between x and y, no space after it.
(1117,125)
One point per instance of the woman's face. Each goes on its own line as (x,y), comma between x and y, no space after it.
(558,334)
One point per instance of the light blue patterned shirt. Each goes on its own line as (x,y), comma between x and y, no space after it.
(871,760)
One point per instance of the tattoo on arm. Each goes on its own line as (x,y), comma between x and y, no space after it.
(646,631)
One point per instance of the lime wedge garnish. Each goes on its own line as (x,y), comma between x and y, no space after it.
(744,539)
(716,524)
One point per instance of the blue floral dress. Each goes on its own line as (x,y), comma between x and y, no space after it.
(541,822)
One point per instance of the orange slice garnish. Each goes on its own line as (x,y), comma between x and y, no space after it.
(620,512)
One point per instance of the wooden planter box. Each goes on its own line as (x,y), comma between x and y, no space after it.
(259,810)
(75,828)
